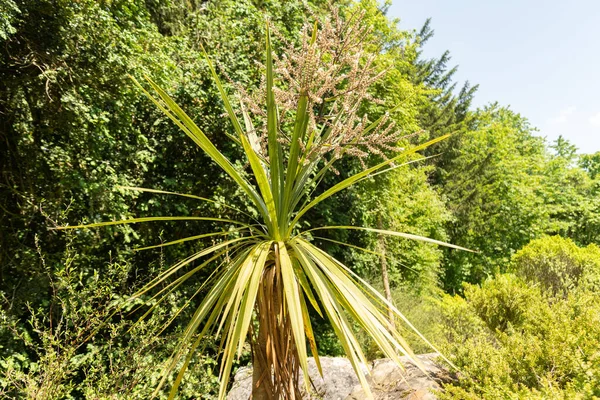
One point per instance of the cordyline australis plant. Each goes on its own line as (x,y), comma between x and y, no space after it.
(268,272)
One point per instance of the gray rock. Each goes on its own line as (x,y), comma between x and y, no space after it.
(387,380)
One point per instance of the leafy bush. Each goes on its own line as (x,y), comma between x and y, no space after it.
(502,302)
(558,265)
(73,346)
(513,340)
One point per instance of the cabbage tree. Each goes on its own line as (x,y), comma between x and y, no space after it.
(268,273)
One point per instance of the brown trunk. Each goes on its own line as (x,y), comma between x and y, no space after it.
(260,371)
(275,359)
(262,387)
(384,273)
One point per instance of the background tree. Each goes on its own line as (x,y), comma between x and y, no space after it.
(570,195)
(494,175)
(590,163)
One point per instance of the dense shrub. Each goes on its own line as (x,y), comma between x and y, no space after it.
(503,302)
(557,264)
(75,346)
(512,339)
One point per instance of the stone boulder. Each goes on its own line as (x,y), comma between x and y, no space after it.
(387,380)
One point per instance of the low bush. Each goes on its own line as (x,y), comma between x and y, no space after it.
(77,346)
(558,265)
(511,339)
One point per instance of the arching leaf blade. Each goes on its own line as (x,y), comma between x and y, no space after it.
(178,116)
(392,233)
(354,178)
(265,188)
(274,147)
(147,219)
(292,298)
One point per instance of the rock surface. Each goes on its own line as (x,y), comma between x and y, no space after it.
(387,380)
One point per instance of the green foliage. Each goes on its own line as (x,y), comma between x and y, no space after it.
(591,164)
(444,110)
(422,308)
(512,339)
(74,128)
(499,172)
(76,346)
(8,13)
(570,194)
(69,110)
(403,201)
(493,176)
(502,302)
(558,265)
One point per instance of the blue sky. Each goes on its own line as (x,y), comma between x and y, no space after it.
(542,58)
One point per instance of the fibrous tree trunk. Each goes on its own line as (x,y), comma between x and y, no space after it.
(276,368)
(261,388)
